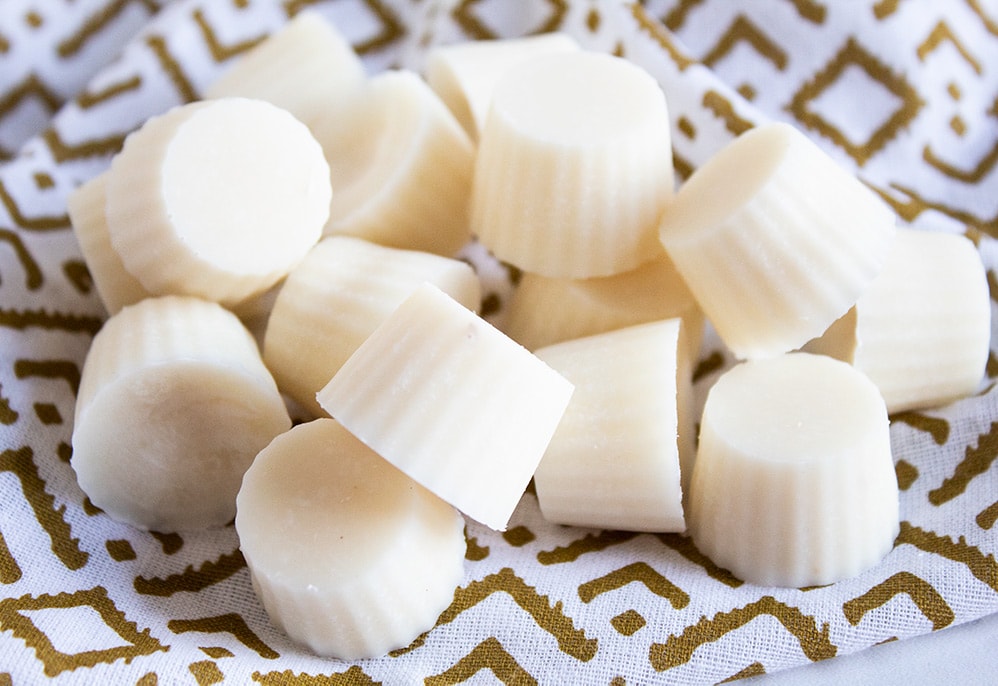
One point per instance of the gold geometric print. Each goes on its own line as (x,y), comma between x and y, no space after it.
(548,617)
(354,676)
(220,52)
(936,427)
(40,223)
(685,547)
(91,98)
(640,572)
(743,30)
(95,24)
(171,67)
(987,517)
(724,109)
(628,623)
(10,571)
(191,579)
(976,461)
(55,662)
(67,370)
(587,544)
(94,147)
(489,654)
(925,597)
(21,464)
(230,623)
(663,38)
(392,28)
(31,89)
(678,650)
(940,34)
(982,168)
(980,565)
(853,54)
(33,278)
(474,26)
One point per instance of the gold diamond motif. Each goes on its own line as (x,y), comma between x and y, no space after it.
(14,617)
(853,55)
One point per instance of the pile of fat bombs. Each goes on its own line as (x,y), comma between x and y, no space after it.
(289,246)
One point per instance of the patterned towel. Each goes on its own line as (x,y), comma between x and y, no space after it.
(904,94)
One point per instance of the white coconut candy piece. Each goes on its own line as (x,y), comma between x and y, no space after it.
(343,289)
(615,460)
(218,199)
(465,74)
(544,310)
(794,482)
(307,68)
(400,167)
(922,330)
(348,555)
(775,239)
(115,286)
(452,402)
(174,404)
(574,166)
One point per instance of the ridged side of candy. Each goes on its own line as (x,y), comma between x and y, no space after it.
(614,462)
(775,240)
(400,167)
(174,404)
(115,285)
(794,481)
(574,166)
(343,289)
(451,401)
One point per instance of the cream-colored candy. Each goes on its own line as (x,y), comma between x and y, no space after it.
(174,404)
(217,199)
(400,167)
(545,310)
(574,166)
(115,285)
(922,330)
(775,240)
(307,68)
(348,555)
(614,462)
(794,481)
(343,289)
(465,74)
(452,402)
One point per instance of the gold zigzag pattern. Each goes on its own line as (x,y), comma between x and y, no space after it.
(925,597)
(551,618)
(678,650)
(96,23)
(976,461)
(90,98)
(639,572)
(220,51)
(936,427)
(67,370)
(489,654)
(980,565)
(657,33)
(24,319)
(982,168)
(41,223)
(685,547)
(744,31)
(192,579)
(587,544)
(941,34)
(33,278)
(355,676)
(230,623)
(21,463)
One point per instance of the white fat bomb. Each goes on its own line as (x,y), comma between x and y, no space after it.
(307,68)
(922,330)
(465,74)
(400,167)
(615,460)
(574,166)
(343,289)
(545,310)
(794,481)
(174,404)
(217,199)
(115,285)
(452,402)
(348,555)
(775,240)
